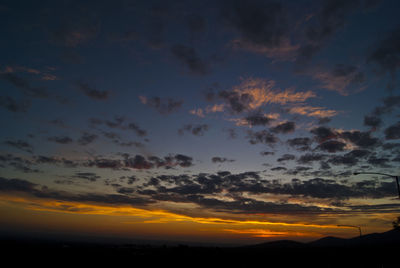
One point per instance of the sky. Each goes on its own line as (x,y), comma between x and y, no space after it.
(206,121)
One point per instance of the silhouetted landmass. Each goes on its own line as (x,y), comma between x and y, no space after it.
(373,250)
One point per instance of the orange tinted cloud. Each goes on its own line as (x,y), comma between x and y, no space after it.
(286,51)
(263,92)
(313,111)
(339,83)
(141,215)
(268,233)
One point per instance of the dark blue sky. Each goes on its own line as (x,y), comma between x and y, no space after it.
(223,109)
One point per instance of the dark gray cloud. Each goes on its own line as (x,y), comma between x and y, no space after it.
(372,121)
(278,169)
(258,119)
(197,130)
(60,139)
(162,105)
(92,92)
(20,144)
(170,161)
(329,19)
(41,159)
(23,186)
(140,132)
(118,122)
(262,136)
(265,153)
(284,128)
(90,176)
(323,134)
(324,120)
(350,159)
(190,58)
(332,146)
(24,85)
(259,23)
(18,163)
(237,102)
(389,104)
(13,106)
(393,132)
(297,170)
(87,138)
(286,157)
(361,139)
(301,143)
(183,186)
(309,158)
(382,162)
(386,55)
(351,71)
(217,159)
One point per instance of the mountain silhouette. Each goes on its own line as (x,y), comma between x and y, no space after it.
(388,238)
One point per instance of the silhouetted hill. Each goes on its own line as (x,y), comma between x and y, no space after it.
(373,250)
(329,241)
(278,244)
(388,238)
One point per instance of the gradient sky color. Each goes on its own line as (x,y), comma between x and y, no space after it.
(211,121)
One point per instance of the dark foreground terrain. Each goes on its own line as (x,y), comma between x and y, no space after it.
(374,250)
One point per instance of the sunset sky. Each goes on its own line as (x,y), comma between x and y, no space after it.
(206,121)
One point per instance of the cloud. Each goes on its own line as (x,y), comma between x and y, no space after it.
(286,157)
(197,130)
(389,104)
(253,93)
(312,111)
(24,85)
(278,169)
(60,139)
(23,186)
(13,106)
(332,146)
(300,143)
(386,55)
(163,106)
(18,163)
(189,57)
(90,176)
(361,139)
(262,27)
(262,136)
(393,132)
(310,157)
(285,52)
(140,132)
(92,92)
(118,122)
(327,21)
(217,159)
(341,78)
(350,159)
(284,128)
(265,153)
(323,133)
(372,121)
(170,161)
(259,119)
(20,144)
(73,27)
(87,138)
(382,162)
